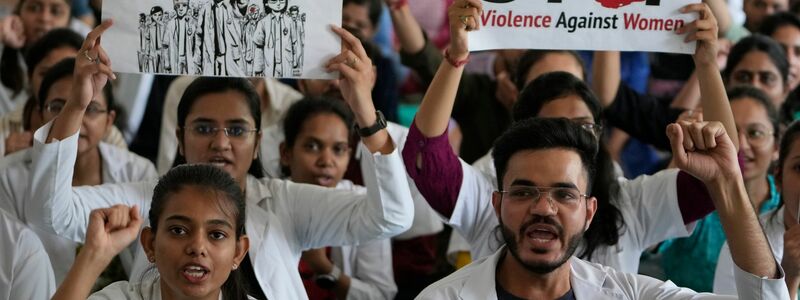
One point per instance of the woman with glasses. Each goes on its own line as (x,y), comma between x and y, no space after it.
(96,163)
(218,121)
(631,215)
(782,225)
(691,261)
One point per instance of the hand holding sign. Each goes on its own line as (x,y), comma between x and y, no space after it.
(705,31)
(463,16)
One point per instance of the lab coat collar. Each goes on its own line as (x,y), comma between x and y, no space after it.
(588,280)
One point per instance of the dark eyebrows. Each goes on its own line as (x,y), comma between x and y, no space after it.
(523,182)
(185,219)
(565,185)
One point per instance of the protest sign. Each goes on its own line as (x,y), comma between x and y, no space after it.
(237,38)
(626,25)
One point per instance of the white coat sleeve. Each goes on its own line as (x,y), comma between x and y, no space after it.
(324,217)
(724,280)
(473,216)
(649,207)
(58,207)
(33,274)
(373,276)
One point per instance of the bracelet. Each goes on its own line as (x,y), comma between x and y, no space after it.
(399,4)
(453,62)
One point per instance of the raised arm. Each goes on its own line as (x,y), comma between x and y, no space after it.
(110,231)
(606,76)
(408,31)
(92,71)
(714,98)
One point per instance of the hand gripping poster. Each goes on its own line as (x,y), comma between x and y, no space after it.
(236,38)
(624,25)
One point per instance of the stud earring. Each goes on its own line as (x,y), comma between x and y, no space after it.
(151,259)
(235,266)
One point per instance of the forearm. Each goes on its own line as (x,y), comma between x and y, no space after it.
(721,12)
(714,99)
(748,244)
(606,75)
(434,113)
(408,31)
(88,266)
(67,123)
(689,95)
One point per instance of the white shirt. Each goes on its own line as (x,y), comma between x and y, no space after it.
(283,218)
(281,97)
(8,100)
(147,289)
(594,281)
(369,265)
(118,165)
(648,206)
(773,225)
(25,271)
(426,220)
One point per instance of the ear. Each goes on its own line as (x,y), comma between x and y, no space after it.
(112,116)
(301,85)
(591,209)
(258,145)
(286,155)
(179,135)
(242,246)
(147,238)
(497,199)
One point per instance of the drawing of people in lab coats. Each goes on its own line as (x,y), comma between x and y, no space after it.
(219,38)
(141,53)
(157,44)
(298,40)
(180,34)
(249,27)
(276,39)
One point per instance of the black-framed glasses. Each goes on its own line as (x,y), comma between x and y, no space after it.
(234,131)
(563,196)
(596,129)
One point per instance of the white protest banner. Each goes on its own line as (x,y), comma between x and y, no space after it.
(625,25)
(237,38)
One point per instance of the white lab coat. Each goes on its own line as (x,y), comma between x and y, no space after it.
(118,165)
(594,281)
(281,98)
(369,265)
(426,220)
(283,218)
(648,206)
(25,271)
(773,225)
(147,289)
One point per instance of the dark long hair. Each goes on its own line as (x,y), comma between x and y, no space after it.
(209,85)
(212,180)
(758,42)
(608,222)
(532,57)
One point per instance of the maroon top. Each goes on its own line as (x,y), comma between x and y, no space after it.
(439,181)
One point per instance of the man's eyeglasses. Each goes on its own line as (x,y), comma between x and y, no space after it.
(595,129)
(563,196)
(231,132)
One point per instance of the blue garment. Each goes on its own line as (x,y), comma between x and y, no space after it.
(691,262)
(81,8)
(634,67)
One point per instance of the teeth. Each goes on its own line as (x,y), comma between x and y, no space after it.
(195,268)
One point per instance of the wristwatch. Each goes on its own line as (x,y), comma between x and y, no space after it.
(380,123)
(328,281)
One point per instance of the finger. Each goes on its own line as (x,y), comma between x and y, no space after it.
(352,41)
(95,69)
(709,137)
(475,3)
(103,56)
(697,8)
(135,219)
(344,57)
(675,135)
(346,71)
(93,37)
(690,27)
(688,144)
(696,133)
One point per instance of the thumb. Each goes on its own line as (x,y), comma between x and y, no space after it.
(675,134)
(136,219)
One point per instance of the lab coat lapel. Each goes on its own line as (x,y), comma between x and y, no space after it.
(589,282)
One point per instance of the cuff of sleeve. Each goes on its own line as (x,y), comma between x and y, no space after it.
(693,198)
(750,286)
(414,59)
(439,181)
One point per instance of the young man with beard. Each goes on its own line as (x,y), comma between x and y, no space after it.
(541,237)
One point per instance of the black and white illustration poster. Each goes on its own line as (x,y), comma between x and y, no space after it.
(238,38)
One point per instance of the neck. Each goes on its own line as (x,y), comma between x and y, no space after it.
(758,191)
(168,294)
(88,168)
(521,282)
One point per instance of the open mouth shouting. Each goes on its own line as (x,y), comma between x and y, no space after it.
(195,273)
